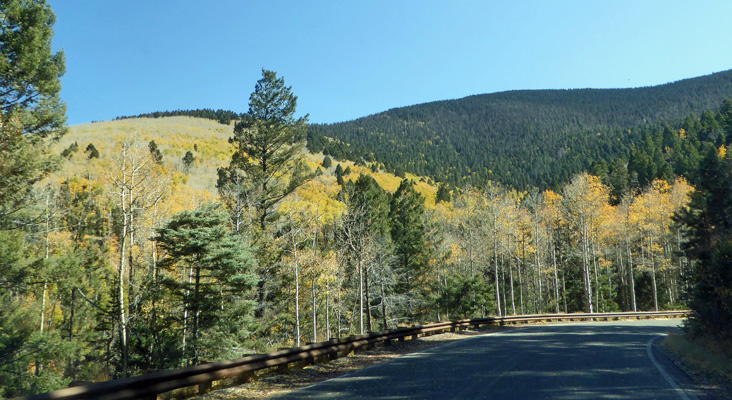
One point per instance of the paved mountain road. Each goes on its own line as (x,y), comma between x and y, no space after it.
(606,360)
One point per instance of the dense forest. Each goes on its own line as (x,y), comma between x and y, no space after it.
(523,139)
(116,267)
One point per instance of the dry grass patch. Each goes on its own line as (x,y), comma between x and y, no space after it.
(707,361)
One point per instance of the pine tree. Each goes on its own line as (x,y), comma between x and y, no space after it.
(31,117)
(408,234)
(157,155)
(708,221)
(443,193)
(339,174)
(268,151)
(216,287)
(188,160)
(267,165)
(32,112)
(327,162)
(92,150)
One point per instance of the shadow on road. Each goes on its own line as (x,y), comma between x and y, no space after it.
(572,361)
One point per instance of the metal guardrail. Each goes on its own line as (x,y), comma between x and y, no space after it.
(150,385)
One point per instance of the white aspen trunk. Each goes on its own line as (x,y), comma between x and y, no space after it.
(327,312)
(631,273)
(121,288)
(43,306)
(383,305)
(131,234)
(556,276)
(503,280)
(495,264)
(653,271)
(510,275)
(597,279)
(315,315)
(519,265)
(586,266)
(338,314)
(360,296)
(297,294)
(196,315)
(621,273)
(188,276)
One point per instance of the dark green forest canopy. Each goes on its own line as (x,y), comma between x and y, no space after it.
(521,138)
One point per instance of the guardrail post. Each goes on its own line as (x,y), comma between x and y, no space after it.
(204,387)
(244,378)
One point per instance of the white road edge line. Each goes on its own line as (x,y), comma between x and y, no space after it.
(681,392)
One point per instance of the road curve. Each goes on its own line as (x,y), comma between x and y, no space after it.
(605,360)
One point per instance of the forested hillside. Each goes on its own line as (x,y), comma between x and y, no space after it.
(521,138)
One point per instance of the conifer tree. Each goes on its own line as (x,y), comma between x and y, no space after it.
(708,221)
(92,150)
(31,110)
(267,165)
(408,234)
(216,287)
(188,159)
(327,162)
(156,154)
(267,147)
(31,117)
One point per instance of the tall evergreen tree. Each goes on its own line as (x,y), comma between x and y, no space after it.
(31,117)
(32,112)
(268,148)
(267,165)
(408,234)
(708,220)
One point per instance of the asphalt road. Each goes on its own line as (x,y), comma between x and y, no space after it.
(605,360)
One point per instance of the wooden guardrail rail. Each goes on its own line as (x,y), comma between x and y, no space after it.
(150,385)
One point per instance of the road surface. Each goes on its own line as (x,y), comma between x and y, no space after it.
(605,360)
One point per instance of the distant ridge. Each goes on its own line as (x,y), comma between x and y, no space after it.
(221,116)
(521,138)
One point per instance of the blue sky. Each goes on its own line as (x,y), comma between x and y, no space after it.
(347,59)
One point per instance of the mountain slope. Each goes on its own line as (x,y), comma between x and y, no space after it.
(207,140)
(521,138)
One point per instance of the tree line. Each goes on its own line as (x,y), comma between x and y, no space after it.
(224,117)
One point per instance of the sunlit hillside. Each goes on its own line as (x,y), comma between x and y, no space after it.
(207,140)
